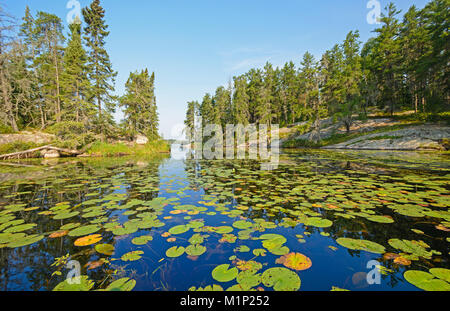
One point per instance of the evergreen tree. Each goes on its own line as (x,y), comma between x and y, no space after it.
(100,69)
(240,101)
(387,56)
(139,104)
(49,41)
(76,84)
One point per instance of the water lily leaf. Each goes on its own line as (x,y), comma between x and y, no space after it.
(20,228)
(27,240)
(338,289)
(123,285)
(248,265)
(222,273)
(88,240)
(281,279)
(223,229)
(179,229)
(142,240)
(426,281)
(441,273)
(105,249)
(58,234)
(295,261)
(175,251)
(84,230)
(65,215)
(197,239)
(248,279)
(318,222)
(132,256)
(195,250)
(209,288)
(242,249)
(259,252)
(80,283)
(363,245)
(417,248)
(242,224)
(402,261)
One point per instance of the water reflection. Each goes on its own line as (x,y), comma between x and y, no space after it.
(128,198)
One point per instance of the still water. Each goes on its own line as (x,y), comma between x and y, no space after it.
(322,220)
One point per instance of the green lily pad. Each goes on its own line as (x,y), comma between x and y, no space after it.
(195,250)
(84,230)
(105,249)
(242,224)
(179,229)
(123,285)
(132,256)
(175,251)
(281,279)
(222,273)
(24,241)
(75,284)
(426,281)
(142,240)
(363,245)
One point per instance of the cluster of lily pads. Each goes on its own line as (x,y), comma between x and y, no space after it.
(93,210)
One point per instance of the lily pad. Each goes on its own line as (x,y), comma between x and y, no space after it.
(80,283)
(175,251)
(281,279)
(105,249)
(88,240)
(132,256)
(426,281)
(295,261)
(363,245)
(223,273)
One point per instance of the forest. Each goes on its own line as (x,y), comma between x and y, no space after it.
(64,83)
(404,66)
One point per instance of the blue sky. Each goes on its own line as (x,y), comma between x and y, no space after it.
(195,46)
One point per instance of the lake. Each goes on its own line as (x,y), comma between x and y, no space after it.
(322,220)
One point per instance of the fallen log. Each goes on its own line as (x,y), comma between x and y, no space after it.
(16,164)
(31,151)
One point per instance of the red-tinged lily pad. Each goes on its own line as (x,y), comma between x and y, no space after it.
(295,261)
(58,234)
(88,240)
(402,261)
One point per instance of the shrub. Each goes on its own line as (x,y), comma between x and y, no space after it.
(5,129)
(72,135)
(17,146)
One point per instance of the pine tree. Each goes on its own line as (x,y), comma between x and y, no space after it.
(75,82)
(309,75)
(240,101)
(190,119)
(48,63)
(100,69)
(141,116)
(8,112)
(206,110)
(387,56)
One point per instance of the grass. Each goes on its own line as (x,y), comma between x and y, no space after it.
(441,117)
(120,149)
(18,146)
(340,138)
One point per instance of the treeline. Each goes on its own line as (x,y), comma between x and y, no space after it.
(50,81)
(405,66)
